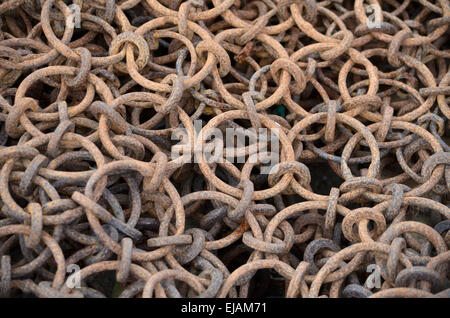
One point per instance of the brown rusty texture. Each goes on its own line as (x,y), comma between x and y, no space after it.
(89,189)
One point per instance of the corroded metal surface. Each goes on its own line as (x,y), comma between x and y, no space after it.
(93,203)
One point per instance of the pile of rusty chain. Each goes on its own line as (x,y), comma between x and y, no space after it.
(93,202)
